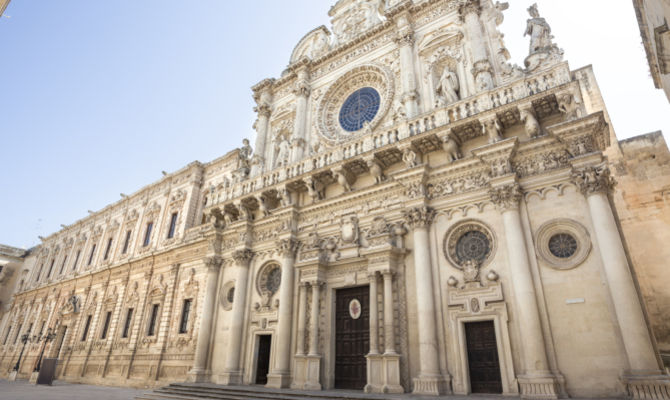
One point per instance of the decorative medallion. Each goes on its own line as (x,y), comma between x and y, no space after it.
(562,243)
(269,280)
(356,103)
(469,241)
(355,309)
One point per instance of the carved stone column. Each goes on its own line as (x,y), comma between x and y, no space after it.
(200,371)
(302,91)
(263,97)
(482,69)
(536,380)
(374,315)
(405,41)
(389,330)
(302,319)
(429,381)
(232,374)
(279,376)
(306,375)
(644,379)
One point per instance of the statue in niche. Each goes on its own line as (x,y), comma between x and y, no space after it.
(539,31)
(448,88)
(283,152)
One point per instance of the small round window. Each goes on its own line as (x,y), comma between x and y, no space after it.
(563,245)
(230,295)
(360,107)
(469,240)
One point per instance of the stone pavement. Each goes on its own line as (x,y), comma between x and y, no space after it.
(22,390)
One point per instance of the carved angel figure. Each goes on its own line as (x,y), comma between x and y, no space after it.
(539,31)
(448,88)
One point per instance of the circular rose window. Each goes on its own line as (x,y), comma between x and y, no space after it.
(360,107)
(469,240)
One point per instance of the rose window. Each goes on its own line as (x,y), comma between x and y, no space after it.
(360,107)
(473,245)
(563,245)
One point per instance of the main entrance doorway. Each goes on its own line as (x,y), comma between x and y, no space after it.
(483,357)
(263,360)
(352,337)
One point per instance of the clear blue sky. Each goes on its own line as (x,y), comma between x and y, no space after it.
(98,97)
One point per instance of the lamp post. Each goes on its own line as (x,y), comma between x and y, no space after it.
(46,339)
(25,338)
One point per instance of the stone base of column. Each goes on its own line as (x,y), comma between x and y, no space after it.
(541,386)
(647,386)
(12,376)
(34,376)
(383,373)
(279,380)
(198,375)
(431,385)
(306,375)
(231,378)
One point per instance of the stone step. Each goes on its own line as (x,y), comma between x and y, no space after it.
(192,391)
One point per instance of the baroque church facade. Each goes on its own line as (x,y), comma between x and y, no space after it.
(417,215)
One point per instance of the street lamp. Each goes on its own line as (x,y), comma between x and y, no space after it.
(25,338)
(47,338)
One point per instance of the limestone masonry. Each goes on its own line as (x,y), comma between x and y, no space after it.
(417,215)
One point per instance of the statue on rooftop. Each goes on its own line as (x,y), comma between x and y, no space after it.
(542,50)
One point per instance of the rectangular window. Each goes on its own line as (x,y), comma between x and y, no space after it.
(88,325)
(39,272)
(90,257)
(109,247)
(18,333)
(4,342)
(152,322)
(126,242)
(173,225)
(108,318)
(51,267)
(76,260)
(147,234)
(62,267)
(126,326)
(185,312)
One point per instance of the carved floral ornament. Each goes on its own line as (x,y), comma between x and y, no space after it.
(372,76)
(562,243)
(468,243)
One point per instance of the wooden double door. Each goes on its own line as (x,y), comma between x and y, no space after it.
(483,363)
(352,337)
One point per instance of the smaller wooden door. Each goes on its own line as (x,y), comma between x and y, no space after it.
(263,361)
(483,357)
(352,337)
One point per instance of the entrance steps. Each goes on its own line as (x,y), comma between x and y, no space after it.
(201,391)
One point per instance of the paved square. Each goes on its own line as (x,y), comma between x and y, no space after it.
(22,390)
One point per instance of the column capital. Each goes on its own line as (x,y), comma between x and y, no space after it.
(302,88)
(470,7)
(593,180)
(419,217)
(288,247)
(213,263)
(263,110)
(506,197)
(404,38)
(243,257)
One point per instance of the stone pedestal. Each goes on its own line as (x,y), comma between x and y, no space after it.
(383,373)
(233,378)
(33,377)
(12,376)
(306,372)
(278,380)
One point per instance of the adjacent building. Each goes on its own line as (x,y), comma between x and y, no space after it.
(417,215)
(652,16)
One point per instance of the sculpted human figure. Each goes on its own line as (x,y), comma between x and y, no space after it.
(283,152)
(539,31)
(448,87)
(245,150)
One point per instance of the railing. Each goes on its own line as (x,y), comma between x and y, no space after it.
(500,96)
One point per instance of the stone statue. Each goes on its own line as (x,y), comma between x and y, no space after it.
(542,49)
(245,151)
(448,87)
(409,158)
(531,126)
(539,31)
(450,146)
(283,152)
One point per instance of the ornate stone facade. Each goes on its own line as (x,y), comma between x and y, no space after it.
(402,160)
